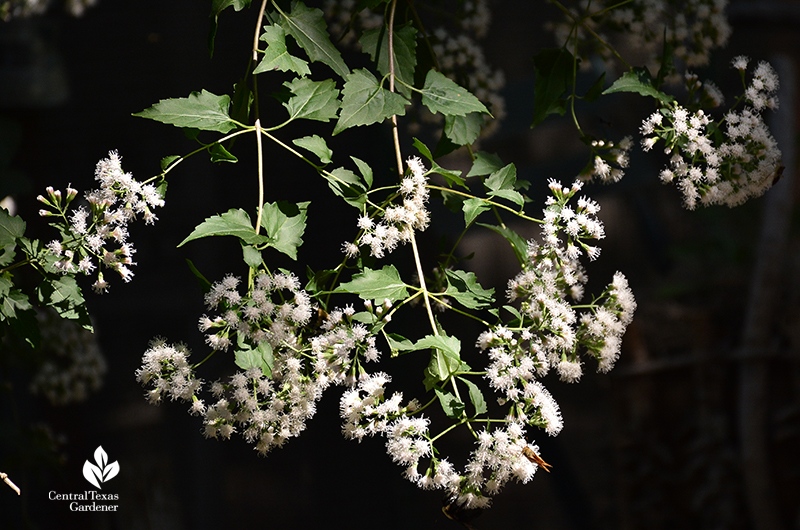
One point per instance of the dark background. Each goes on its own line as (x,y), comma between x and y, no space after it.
(697,427)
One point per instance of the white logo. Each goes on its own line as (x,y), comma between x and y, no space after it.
(103,471)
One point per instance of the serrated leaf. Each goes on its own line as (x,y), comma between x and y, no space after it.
(375,42)
(308,27)
(365,102)
(383,284)
(509,195)
(234,222)
(441,94)
(596,90)
(484,164)
(475,396)
(12,301)
(452,176)
(251,256)
(277,56)
(463,130)
(316,144)
(312,100)
(347,185)
(451,405)
(518,244)
(638,80)
(398,344)
(63,294)
(201,110)
(285,224)
(261,356)
(220,154)
(167,161)
(501,183)
(463,287)
(365,171)
(11,228)
(502,179)
(450,346)
(473,208)
(554,75)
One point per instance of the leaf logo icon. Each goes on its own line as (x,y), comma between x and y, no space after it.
(103,471)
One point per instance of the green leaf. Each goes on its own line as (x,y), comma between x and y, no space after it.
(242,100)
(450,346)
(517,243)
(312,100)
(347,185)
(220,154)
(309,29)
(484,164)
(463,287)
(217,7)
(365,171)
(452,176)
(168,160)
(251,256)
(285,224)
(204,284)
(276,56)
(451,405)
(63,294)
(463,130)
(232,223)
(11,228)
(501,184)
(261,356)
(365,102)
(473,208)
(315,144)
(502,179)
(596,90)
(384,284)
(440,94)
(638,80)
(398,344)
(12,301)
(475,396)
(201,110)
(554,75)
(375,42)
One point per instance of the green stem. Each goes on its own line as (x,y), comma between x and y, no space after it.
(487,201)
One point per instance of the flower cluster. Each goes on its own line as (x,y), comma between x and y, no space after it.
(287,358)
(90,236)
(399,222)
(75,366)
(272,311)
(268,408)
(548,332)
(609,160)
(500,455)
(166,368)
(693,27)
(713,168)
